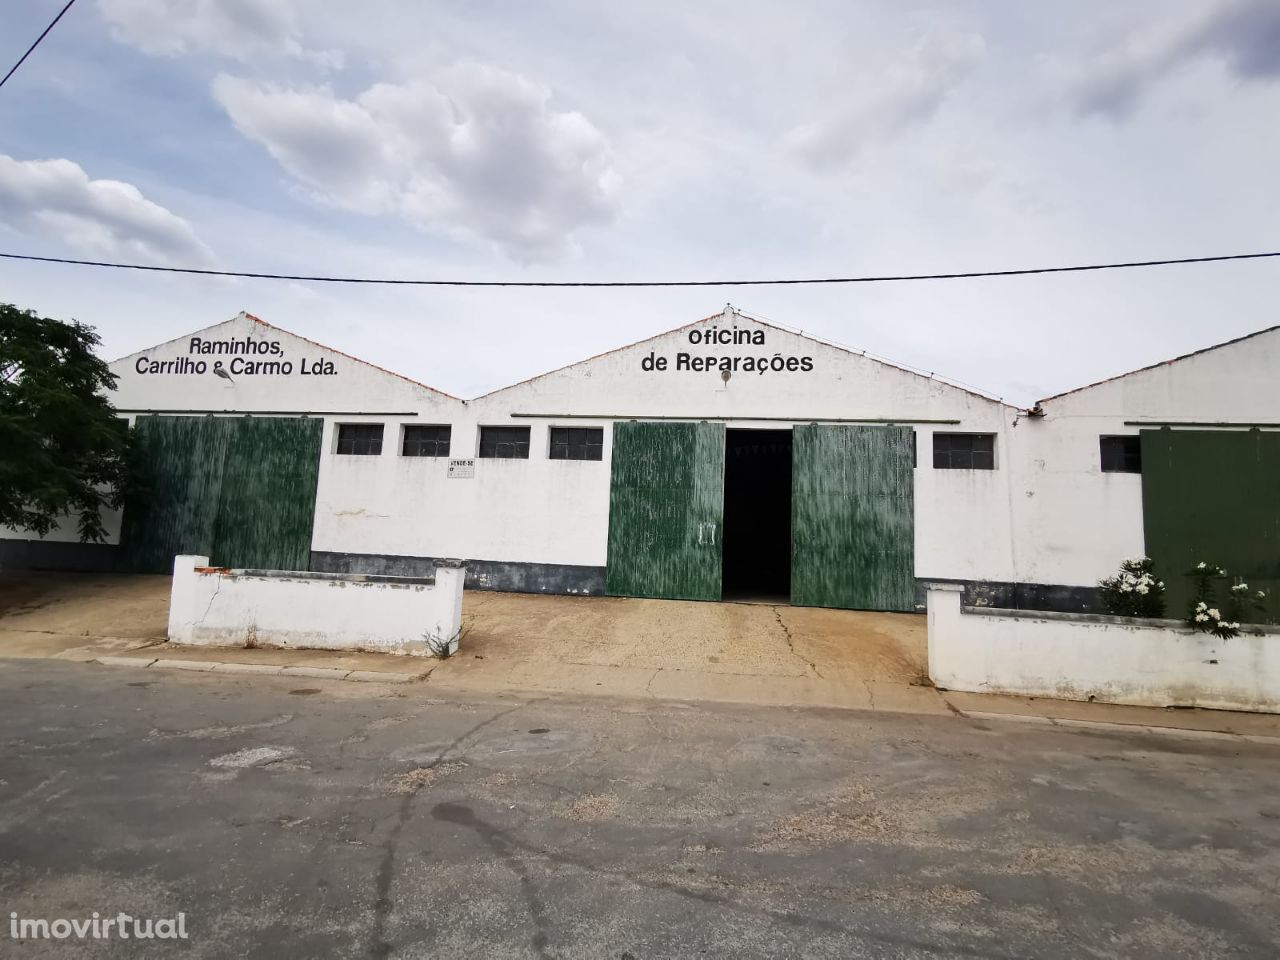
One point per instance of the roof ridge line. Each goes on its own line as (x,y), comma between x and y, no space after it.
(595,356)
(970,389)
(343,353)
(1160,363)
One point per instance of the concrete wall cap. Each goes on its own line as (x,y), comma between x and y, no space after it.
(1160,623)
(365,578)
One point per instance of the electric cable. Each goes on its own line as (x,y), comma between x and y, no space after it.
(22,59)
(801,281)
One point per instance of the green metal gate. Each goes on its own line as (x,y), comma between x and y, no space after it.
(1212,496)
(666,506)
(240,490)
(852,517)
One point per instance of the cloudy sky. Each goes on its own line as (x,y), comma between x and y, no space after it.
(576,140)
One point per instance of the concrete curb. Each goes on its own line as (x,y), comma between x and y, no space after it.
(319,673)
(203,666)
(267,668)
(262,669)
(1122,727)
(127,661)
(376,676)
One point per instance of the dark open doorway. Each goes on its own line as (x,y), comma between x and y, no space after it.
(757,515)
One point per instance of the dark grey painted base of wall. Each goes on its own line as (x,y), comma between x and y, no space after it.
(49,555)
(1018,596)
(589,581)
(481,574)
(557,578)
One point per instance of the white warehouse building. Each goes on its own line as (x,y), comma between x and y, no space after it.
(725,459)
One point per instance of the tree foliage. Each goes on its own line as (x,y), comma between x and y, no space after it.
(63,450)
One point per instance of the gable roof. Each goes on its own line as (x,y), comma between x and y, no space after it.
(1162,363)
(863,354)
(323,346)
(830,344)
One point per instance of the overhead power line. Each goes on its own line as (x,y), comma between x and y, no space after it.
(882,278)
(52,24)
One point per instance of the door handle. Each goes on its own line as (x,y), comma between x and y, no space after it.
(710,528)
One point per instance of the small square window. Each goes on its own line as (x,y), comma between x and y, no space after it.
(360,439)
(1121,454)
(577,443)
(964,451)
(424,441)
(504,443)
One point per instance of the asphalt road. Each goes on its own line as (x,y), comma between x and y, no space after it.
(291,818)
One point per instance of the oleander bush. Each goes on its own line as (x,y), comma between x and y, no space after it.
(1221,618)
(1134,591)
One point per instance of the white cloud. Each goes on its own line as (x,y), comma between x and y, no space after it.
(481,153)
(907,93)
(1242,35)
(100,218)
(239,29)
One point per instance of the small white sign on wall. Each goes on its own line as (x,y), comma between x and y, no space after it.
(462,469)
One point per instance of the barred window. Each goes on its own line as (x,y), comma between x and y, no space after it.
(360,439)
(577,443)
(425,441)
(1120,454)
(504,443)
(964,451)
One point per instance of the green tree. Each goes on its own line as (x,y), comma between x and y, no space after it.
(63,450)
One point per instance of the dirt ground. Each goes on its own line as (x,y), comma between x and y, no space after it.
(720,638)
(87,605)
(729,638)
(768,655)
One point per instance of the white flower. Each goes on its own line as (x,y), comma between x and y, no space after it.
(1126,588)
(1240,588)
(1213,612)
(1201,605)
(1201,618)
(1142,588)
(1160,584)
(1201,565)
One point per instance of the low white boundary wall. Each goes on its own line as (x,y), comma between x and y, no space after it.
(278,608)
(1113,659)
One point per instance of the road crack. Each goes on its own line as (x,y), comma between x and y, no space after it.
(384,902)
(791,645)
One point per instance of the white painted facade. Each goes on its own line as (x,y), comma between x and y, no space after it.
(218,607)
(556,511)
(1068,656)
(1078,522)
(1045,515)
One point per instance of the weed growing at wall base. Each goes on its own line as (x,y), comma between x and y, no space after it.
(121,926)
(440,647)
